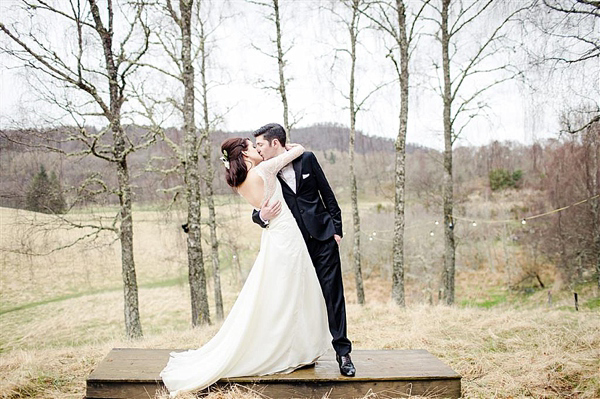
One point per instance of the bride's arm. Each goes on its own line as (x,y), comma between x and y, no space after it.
(274,165)
(268,169)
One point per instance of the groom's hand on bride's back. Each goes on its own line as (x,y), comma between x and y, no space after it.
(269,211)
(338,239)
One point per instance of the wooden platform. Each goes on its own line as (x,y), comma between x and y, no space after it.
(134,374)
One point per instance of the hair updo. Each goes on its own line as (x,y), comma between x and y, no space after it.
(237,171)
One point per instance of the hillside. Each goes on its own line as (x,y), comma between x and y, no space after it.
(24,152)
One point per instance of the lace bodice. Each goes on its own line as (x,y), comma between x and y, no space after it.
(268,170)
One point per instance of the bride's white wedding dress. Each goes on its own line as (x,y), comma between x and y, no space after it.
(279,320)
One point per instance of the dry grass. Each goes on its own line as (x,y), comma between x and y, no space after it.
(506,353)
(71,317)
(160,253)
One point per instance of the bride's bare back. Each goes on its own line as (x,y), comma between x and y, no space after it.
(259,185)
(253,189)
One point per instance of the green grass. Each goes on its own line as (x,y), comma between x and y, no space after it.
(219,200)
(492,301)
(181,280)
(153,284)
(592,304)
(57,299)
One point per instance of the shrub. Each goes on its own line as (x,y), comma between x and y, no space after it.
(502,178)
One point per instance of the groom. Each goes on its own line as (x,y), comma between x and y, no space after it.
(313,204)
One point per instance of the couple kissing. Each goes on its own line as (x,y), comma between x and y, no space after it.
(291,307)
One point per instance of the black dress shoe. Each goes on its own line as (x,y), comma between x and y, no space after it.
(346,366)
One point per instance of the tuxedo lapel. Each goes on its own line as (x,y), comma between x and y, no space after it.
(284,185)
(297,164)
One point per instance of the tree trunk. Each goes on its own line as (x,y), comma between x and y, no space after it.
(281,64)
(209,177)
(360,293)
(113,75)
(133,324)
(196,274)
(398,255)
(448,184)
(594,132)
(597,242)
(214,243)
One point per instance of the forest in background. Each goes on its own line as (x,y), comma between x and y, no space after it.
(21,162)
(545,176)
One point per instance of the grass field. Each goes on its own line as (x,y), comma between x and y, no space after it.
(61,313)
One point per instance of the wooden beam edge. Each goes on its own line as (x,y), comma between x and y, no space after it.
(239,380)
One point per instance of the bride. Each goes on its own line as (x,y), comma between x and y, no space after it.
(279,321)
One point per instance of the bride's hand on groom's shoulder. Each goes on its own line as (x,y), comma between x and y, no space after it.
(289,146)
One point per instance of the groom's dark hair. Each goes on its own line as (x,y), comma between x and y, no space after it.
(272,131)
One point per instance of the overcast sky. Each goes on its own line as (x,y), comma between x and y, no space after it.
(238,72)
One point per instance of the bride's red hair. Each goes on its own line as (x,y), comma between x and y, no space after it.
(237,171)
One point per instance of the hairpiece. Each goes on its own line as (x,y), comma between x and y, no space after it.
(225,159)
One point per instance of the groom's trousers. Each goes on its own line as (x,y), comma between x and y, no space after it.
(325,256)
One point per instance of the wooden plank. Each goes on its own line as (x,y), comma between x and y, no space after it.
(427,388)
(344,390)
(123,390)
(132,365)
(146,364)
(135,373)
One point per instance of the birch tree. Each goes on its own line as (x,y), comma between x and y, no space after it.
(568,48)
(174,37)
(353,31)
(350,18)
(274,16)
(197,275)
(567,52)
(185,40)
(461,90)
(86,77)
(595,205)
(391,18)
(204,34)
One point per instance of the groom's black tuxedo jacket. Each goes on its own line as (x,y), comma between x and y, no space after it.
(313,205)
